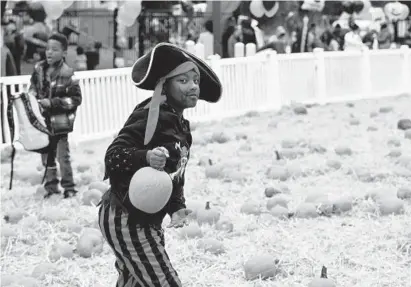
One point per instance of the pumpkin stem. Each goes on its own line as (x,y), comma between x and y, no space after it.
(324,272)
(207,205)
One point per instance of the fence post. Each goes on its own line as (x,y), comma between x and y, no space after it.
(406,70)
(366,72)
(250,49)
(238,50)
(320,75)
(190,46)
(273,81)
(199,50)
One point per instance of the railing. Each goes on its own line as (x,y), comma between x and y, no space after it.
(260,82)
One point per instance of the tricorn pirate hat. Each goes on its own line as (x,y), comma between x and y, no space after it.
(165,61)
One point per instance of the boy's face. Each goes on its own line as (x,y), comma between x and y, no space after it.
(183,90)
(54,52)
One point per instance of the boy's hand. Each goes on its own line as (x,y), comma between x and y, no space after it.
(179,218)
(45,103)
(157,157)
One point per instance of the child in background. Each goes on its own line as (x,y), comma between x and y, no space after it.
(58,96)
(81,59)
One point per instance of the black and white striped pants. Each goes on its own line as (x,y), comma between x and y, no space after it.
(141,259)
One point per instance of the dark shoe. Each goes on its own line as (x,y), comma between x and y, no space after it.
(51,191)
(70,193)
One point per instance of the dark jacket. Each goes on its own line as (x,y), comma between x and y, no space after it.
(59,87)
(127,154)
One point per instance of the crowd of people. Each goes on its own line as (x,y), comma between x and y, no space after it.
(331,38)
(24,37)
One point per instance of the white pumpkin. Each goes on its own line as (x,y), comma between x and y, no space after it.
(150,189)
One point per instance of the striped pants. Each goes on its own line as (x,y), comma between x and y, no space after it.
(141,259)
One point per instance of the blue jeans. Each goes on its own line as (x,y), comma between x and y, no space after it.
(62,154)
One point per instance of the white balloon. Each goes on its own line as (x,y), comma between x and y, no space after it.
(66,4)
(53,9)
(129,11)
(396,11)
(257,8)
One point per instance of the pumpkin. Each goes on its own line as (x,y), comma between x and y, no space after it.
(279,211)
(271,191)
(214,171)
(343,150)
(333,163)
(71,226)
(191,231)
(354,122)
(99,185)
(150,189)
(373,114)
(372,128)
(394,142)
(280,199)
(220,137)
(394,153)
(323,281)
(300,110)
(211,245)
(54,214)
(224,225)
(15,215)
(43,269)
(83,167)
(7,231)
(342,204)
(384,110)
(59,250)
(89,243)
(306,210)
(194,206)
(28,174)
(92,197)
(317,148)
(404,124)
(278,172)
(19,281)
(390,205)
(207,215)
(250,207)
(404,193)
(261,266)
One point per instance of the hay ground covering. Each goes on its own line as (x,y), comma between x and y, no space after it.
(359,248)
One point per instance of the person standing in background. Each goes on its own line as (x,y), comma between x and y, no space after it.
(207,39)
(81,60)
(14,41)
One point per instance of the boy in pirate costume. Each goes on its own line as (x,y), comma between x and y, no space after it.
(178,79)
(59,96)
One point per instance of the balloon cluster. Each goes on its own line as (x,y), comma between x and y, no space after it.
(127,15)
(396,11)
(355,6)
(313,5)
(260,8)
(54,9)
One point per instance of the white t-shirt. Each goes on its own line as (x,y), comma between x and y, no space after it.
(353,42)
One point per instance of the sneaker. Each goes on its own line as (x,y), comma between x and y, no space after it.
(50,191)
(70,193)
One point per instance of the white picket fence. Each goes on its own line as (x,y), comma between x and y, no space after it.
(262,82)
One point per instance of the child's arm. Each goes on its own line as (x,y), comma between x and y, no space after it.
(127,153)
(177,200)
